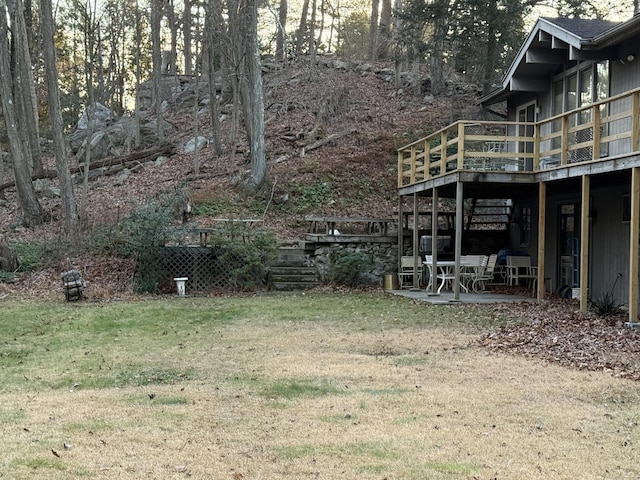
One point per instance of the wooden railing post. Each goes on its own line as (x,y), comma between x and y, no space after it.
(460,160)
(536,147)
(400,167)
(443,152)
(595,115)
(564,141)
(413,164)
(635,113)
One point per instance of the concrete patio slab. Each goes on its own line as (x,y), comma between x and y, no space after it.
(447,298)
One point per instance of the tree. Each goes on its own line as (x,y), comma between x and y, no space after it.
(373,30)
(24,84)
(69,210)
(31,210)
(243,26)
(281,30)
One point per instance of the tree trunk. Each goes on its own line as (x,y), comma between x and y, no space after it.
(211,72)
(281,34)
(156,18)
(312,34)
(384,30)
(24,88)
(186,27)
(302,29)
(29,205)
(69,211)
(440,9)
(373,31)
(250,83)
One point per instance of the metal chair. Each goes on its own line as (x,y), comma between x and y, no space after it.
(405,274)
(520,268)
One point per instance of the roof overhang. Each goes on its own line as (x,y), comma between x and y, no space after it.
(556,42)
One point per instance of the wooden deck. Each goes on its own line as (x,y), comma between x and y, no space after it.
(606,129)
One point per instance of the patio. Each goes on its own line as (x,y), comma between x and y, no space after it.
(447,297)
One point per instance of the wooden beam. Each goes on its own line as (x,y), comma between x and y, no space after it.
(584,243)
(458,248)
(556,43)
(529,84)
(604,54)
(544,37)
(434,242)
(400,232)
(544,56)
(634,238)
(542,215)
(416,245)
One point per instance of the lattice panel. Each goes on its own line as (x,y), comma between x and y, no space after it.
(203,266)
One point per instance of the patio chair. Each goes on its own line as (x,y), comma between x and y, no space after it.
(405,274)
(486,275)
(520,268)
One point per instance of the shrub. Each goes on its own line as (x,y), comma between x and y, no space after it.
(33,255)
(147,228)
(351,269)
(606,306)
(245,254)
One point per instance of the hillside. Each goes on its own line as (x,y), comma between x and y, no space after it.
(331,136)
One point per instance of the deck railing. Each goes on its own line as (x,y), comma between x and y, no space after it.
(604,129)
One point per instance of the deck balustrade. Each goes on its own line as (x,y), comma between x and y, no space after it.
(601,130)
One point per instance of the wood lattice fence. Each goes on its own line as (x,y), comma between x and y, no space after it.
(205,267)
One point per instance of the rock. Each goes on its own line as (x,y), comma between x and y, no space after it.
(190,147)
(122,178)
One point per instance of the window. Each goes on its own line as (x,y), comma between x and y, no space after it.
(525,226)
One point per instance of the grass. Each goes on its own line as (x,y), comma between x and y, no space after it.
(343,386)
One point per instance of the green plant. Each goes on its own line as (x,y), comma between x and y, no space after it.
(310,197)
(7,277)
(605,305)
(33,255)
(245,253)
(147,228)
(351,269)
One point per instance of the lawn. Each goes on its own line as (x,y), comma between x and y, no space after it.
(317,385)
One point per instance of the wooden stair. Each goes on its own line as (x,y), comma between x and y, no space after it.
(489,213)
(292,271)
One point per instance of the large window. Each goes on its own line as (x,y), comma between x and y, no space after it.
(580,86)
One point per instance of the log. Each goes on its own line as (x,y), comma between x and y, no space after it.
(141,156)
(329,139)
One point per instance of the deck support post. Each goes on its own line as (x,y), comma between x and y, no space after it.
(584,243)
(416,240)
(434,241)
(542,220)
(634,238)
(458,248)
(400,232)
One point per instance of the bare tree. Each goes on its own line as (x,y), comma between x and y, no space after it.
(210,49)
(24,87)
(69,210)
(186,35)
(281,34)
(303,28)
(31,210)
(373,31)
(243,24)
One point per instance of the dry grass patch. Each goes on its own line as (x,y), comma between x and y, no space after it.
(316,386)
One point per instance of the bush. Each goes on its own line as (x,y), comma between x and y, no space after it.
(606,306)
(139,235)
(245,254)
(33,255)
(351,269)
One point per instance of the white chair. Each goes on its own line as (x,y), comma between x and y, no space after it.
(486,274)
(405,274)
(520,268)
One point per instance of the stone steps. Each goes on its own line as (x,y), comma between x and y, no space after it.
(292,271)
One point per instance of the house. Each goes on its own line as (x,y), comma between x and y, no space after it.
(561,173)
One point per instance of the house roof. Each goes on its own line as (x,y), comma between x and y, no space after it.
(558,41)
